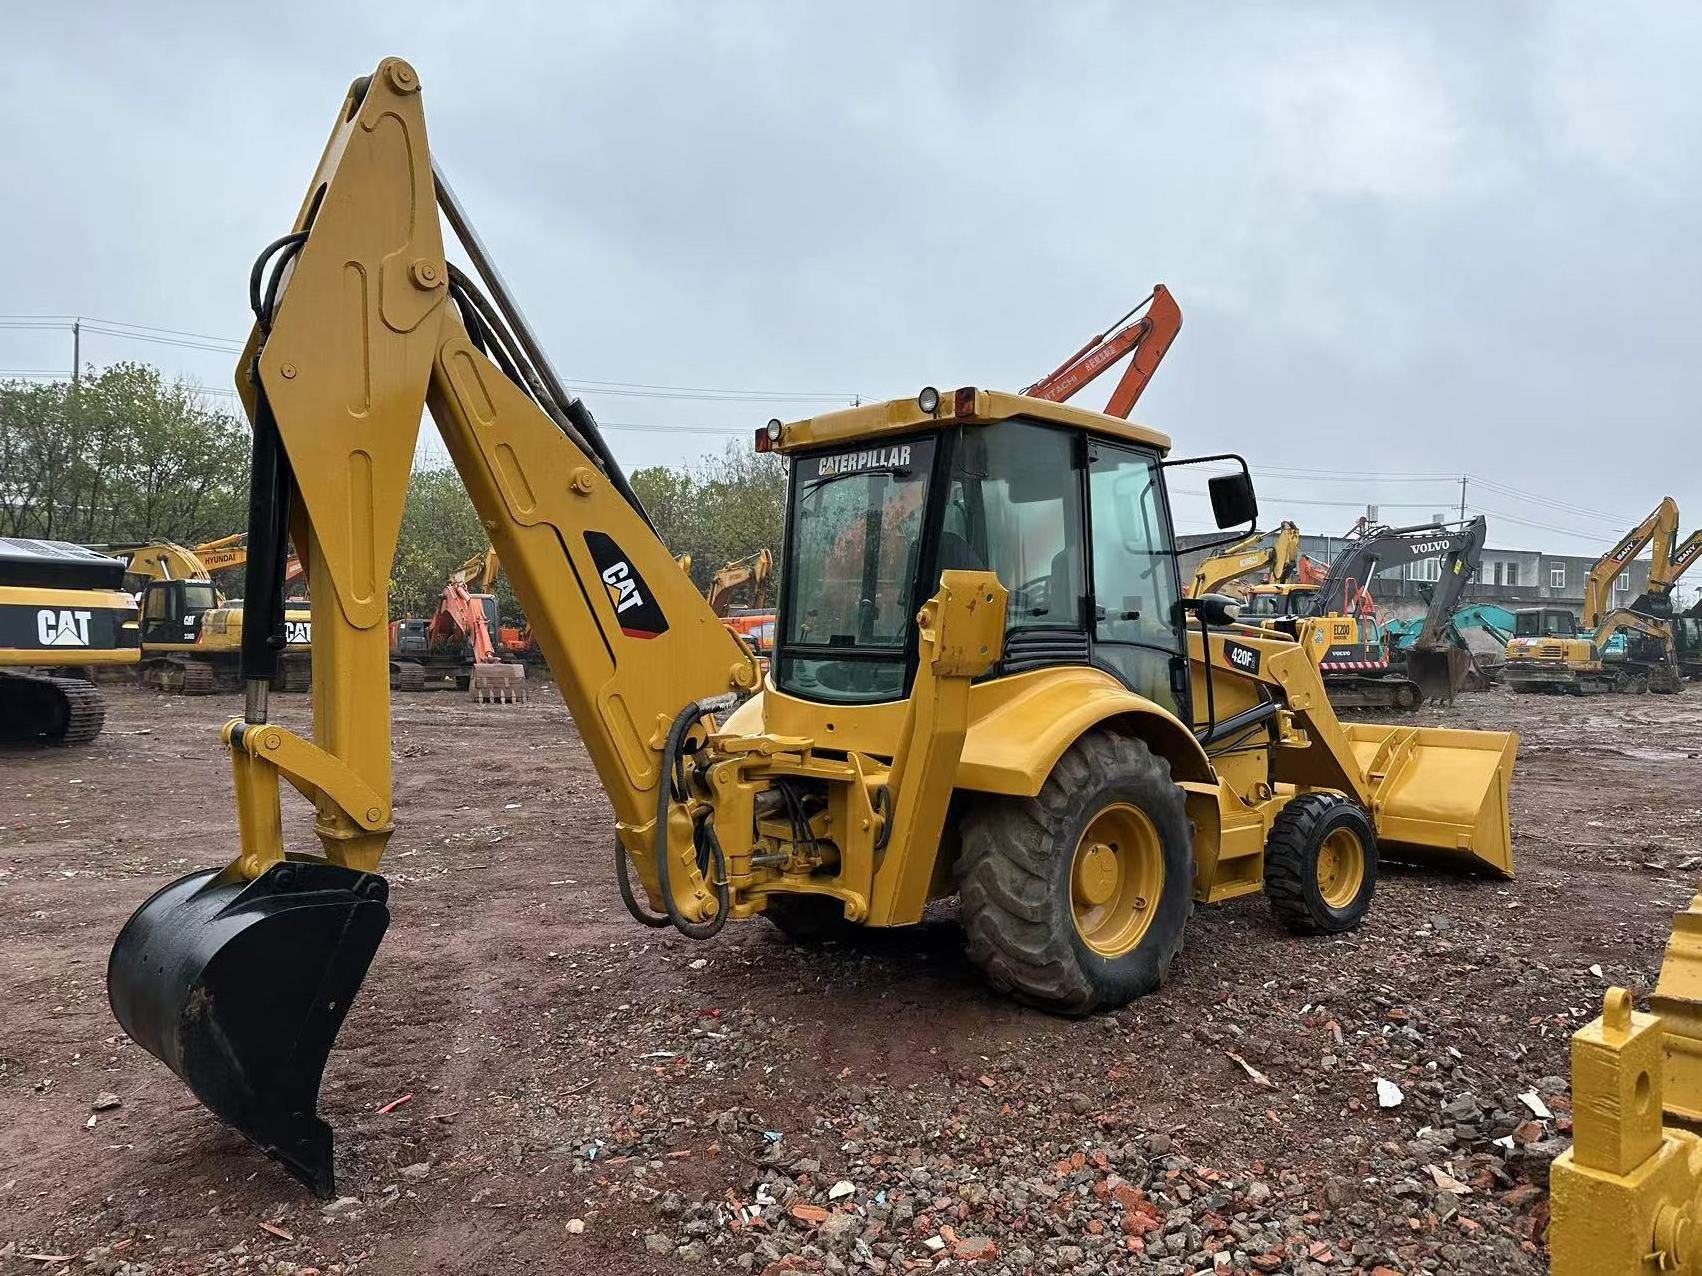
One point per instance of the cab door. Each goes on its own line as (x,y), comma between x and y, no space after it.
(1135,618)
(162,612)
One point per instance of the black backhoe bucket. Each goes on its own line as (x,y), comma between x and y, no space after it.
(1438,671)
(240,986)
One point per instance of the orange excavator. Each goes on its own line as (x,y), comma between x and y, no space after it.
(1147,337)
(457,642)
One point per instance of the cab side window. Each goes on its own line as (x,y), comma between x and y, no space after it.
(1136,629)
(1013,507)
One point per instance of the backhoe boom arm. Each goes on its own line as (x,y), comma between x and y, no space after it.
(361,324)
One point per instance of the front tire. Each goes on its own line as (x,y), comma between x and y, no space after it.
(1321,864)
(1076,899)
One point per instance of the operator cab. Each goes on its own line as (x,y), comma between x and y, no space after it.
(1075,524)
(1544,622)
(1278,602)
(172,610)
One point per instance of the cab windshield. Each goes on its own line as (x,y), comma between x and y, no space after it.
(1542,624)
(856,522)
(1266,606)
(198,597)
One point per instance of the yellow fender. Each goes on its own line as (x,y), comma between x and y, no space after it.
(1021,726)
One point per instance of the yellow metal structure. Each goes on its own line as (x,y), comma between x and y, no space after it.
(1578,663)
(732,795)
(65,606)
(190,634)
(1247,557)
(754,571)
(1627,1195)
(62,615)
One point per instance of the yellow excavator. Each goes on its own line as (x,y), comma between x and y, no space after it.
(63,614)
(1277,559)
(1546,654)
(985,681)
(190,633)
(753,622)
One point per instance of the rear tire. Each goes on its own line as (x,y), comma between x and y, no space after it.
(1321,864)
(1077,899)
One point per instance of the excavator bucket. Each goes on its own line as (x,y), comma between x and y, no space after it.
(1439,794)
(498,683)
(1438,671)
(240,986)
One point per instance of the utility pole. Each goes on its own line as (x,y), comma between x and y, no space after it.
(76,350)
(1462,498)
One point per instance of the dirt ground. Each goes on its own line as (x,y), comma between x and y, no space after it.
(589,1096)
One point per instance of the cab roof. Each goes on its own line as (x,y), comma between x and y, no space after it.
(965,406)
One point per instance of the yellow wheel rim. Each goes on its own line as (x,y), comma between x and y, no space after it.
(1341,868)
(1116,878)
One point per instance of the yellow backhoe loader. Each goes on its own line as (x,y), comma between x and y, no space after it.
(1247,557)
(63,614)
(985,683)
(191,634)
(1555,660)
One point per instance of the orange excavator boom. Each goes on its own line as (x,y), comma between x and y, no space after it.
(1147,337)
(458,609)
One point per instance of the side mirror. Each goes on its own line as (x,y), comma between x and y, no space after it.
(1232,499)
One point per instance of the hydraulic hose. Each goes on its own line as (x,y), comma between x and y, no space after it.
(623,879)
(664,802)
(268,498)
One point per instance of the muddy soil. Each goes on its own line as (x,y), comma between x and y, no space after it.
(589,1096)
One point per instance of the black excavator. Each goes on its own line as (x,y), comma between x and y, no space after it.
(1361,667)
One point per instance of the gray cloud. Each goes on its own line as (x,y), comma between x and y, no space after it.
(1414,240)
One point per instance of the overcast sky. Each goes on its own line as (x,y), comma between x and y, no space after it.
(1416,240)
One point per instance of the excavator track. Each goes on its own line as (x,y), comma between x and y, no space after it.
(42,709)
(187,677)
(294,675)
(406,676)
(198,679)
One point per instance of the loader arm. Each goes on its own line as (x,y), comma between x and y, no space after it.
(757,571)
(1147,338)
(158,560)
(1459,567)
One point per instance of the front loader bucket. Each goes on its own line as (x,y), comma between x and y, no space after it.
(1438,671)
(240,986)
(1439,794)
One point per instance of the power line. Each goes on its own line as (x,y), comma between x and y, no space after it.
(180,338)
(1619,520)
(1526,522)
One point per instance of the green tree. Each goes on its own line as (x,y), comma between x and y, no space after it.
(123,455)
(719,510)
(440,531)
